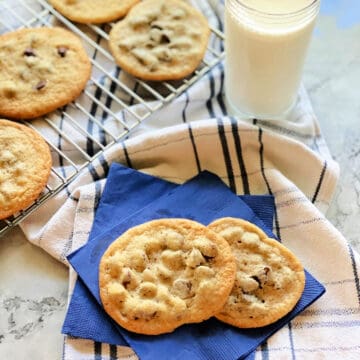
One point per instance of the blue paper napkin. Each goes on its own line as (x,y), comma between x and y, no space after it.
(126,192)
(204,199)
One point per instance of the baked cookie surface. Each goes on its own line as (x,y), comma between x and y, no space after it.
(269,281)
(25,163)
(160,40)
(93,11)
(41,69)
(165,273)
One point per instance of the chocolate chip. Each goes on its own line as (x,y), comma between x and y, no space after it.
(127,279)
(155,26)
(208,258)
(257,280)
(29,52)
(40,85)
(153,315)
(182,288)
(164,39)
(62,50)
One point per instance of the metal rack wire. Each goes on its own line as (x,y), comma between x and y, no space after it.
(110,107)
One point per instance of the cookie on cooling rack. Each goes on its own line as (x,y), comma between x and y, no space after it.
(269,281)
(25,164)
(41,69)
(165,273)
(160,40)
(93,11)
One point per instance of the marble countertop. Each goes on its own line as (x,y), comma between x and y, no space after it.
(33,286)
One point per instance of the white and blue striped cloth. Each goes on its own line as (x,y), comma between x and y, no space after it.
(288,159)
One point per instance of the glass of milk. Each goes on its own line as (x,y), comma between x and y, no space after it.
(266,43)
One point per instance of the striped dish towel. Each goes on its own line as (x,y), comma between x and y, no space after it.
(288,159)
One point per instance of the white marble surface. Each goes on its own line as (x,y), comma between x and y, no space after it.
(33,286)
(332,78)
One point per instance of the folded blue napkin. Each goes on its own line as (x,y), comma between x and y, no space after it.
(204,199)
(126,192)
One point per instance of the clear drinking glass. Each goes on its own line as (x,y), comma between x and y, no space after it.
(266,44)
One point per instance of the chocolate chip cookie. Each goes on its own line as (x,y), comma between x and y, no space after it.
(93,11)
(165,273)
(160,40)
(269,279)
(25,164)
(41,69)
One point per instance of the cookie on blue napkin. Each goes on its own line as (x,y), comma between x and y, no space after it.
(165,273)
(269,278)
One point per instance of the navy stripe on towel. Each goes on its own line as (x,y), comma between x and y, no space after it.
(226,154)
(322,175)
(194,149)
(237,140)
(113,352)
(97,350)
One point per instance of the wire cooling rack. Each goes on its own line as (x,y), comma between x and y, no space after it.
(110,107)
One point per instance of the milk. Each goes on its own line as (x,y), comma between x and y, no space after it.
(265,53)
(277,6)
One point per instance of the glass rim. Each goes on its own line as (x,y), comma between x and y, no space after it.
(292,13)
